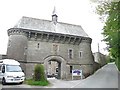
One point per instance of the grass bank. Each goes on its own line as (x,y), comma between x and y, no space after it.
(37,83)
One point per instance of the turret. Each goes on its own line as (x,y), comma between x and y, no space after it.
(17,44)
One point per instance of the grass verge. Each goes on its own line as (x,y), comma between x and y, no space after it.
(36,83)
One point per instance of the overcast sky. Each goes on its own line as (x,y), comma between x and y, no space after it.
(79,12)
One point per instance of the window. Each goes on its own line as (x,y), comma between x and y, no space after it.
(70,53)
(49,62)
(3,69)
(9,43)
(38,45)
(0,68)
(25,50)
(55,48)
(57,70)
(80,54)
(13,68)
(71,69)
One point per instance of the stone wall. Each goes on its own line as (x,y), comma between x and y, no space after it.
(100,58)
(3,56)
(45,49)
(31,48)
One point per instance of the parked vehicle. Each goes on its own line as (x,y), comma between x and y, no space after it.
(11,72)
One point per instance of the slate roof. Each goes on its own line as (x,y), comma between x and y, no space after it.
(49,26)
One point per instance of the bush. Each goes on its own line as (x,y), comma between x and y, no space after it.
(39,78)
(109,59)
(39,74)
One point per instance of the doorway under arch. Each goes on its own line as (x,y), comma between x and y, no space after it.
(54,69)
(56,66)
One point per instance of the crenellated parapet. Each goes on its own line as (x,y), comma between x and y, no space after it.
(87,40)
(49,37)
(16,31)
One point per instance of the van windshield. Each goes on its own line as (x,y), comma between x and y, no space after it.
(13,68)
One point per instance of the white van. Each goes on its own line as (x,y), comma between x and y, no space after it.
(11,72)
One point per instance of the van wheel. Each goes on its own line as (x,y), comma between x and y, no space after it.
(21,82)
(3,81)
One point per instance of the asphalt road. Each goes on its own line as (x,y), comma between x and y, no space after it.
(106,77)
(0,86)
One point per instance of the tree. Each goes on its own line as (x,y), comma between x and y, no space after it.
(110,12)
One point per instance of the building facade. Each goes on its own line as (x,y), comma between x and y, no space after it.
(36,41)
(100,58)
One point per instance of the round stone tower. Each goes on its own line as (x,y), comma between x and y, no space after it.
(88,59)
(17,44)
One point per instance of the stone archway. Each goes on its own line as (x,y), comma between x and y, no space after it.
(61,65)
(54,69)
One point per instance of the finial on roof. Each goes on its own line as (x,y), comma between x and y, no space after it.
(54,11)
(98,48)
(54,15)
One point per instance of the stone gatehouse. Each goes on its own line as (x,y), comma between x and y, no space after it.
(33,41)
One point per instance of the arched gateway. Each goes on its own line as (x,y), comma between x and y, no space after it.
(61,73)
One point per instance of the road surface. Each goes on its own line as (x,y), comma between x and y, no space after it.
(106,77)
(0,86)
